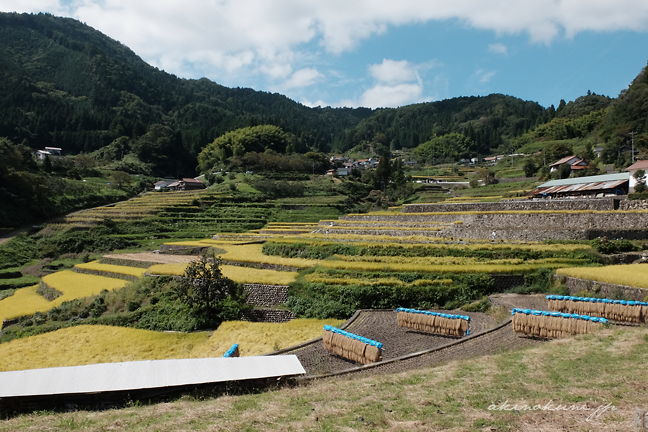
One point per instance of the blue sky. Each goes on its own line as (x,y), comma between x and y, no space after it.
(380,53)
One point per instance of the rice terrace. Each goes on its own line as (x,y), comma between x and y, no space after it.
(180,255)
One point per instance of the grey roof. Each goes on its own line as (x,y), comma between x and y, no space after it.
(144,375)
(589,179)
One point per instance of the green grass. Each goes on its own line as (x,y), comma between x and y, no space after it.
(591,370)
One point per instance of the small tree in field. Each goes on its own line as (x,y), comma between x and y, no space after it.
(204,288)
(640,176)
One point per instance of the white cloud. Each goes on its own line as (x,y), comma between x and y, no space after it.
(303,78)
(391,71)
(52,6)
(319,103)
(498,49)
(381,96)
(224,36)
(483,76)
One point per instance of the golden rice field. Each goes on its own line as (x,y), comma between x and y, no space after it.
(108,344)
(252,253)
(236,273)
(110,268)
(96,344)
(634,275)
(450,260)
(26,301)
(262,338)
(76,285)
(475,244)
(330,280)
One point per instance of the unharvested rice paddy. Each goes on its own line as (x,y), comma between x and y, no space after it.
(262,338)
(27,301)
(96,344)
(76,285)
(237,274)
(107,344)
(634,275)
(109,268)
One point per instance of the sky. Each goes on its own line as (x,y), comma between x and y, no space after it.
(380,53)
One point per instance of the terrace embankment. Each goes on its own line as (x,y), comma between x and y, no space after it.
(577,286)
(528,221)
(600,204)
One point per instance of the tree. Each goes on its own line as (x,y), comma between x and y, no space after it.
(383,172)
(529,168)
(119,179)
(204,288)
(640,176)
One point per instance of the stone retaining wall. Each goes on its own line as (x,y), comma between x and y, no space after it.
(268,315)
(571,204)
(183,250)
(506,282)
(607,290)
(523,226)
(266,295)
(633,205)
(129,278)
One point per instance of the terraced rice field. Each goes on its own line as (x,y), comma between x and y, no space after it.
(109,344)
(236,273)
(110,268)
(633,275)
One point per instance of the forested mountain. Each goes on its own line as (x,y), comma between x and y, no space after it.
(487,121)
(67,85)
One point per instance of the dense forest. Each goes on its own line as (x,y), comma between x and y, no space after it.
(67,85)
(64,84)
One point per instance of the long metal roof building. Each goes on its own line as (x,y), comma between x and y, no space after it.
(592,185)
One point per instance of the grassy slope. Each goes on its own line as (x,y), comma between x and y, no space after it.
(580,371)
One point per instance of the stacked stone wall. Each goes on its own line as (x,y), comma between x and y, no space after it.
(633,205)
(606,290)
(518,205)
(266,295)
(521,226)
(268,315)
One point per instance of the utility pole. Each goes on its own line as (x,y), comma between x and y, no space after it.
(632,134)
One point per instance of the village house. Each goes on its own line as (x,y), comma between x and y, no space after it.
(632,169)
(49,151)
(575,164)
(186,184)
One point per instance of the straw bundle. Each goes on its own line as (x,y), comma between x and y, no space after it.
(433,322)
(617,310)
(548,325)
(351,346)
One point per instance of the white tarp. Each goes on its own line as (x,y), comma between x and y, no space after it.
(144,375)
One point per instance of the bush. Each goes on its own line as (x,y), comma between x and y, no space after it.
(605,246)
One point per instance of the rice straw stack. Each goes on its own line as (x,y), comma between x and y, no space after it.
(434,322)
(351,346)
(617,310)
(549,325)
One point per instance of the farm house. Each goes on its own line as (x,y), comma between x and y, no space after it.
(592,186)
